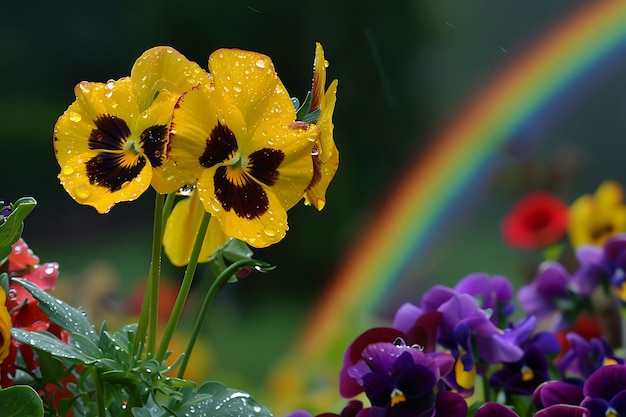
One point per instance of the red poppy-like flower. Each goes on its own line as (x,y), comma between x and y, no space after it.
(24,309)
(537,220)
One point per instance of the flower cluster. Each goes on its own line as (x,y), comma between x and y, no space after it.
(231,139)
(465,351)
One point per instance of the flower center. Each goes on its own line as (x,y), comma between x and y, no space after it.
(397,397)
(133,146)
(527,374)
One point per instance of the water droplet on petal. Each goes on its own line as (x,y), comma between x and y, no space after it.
(75,117)
(82,191)
(84,86)
(68,170)
(261,62)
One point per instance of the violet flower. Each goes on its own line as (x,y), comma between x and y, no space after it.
(525,375)
(499,410)
(540,297)
(417,331)
(584,358)
(557,392)
(605,392)
(495,292)
(400,380)
(353,409)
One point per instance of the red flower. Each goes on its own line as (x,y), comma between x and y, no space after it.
(537,220)
(24,309)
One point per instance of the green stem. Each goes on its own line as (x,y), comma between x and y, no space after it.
(183,292)
(167,209)
(217,283)
(149,308)
(99,394)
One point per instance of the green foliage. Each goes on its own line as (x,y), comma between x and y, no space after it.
(128,382)
(11,226)
(20,401)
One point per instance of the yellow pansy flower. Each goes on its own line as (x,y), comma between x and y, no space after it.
(5,327)
(325,154)
(111,142)
(181,228)
(239,138)
(595,218)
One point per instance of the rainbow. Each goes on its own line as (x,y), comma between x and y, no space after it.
(592,36)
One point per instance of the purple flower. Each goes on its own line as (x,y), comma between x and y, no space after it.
(499,410)
(585,357)
(353,409)
(523,376)
(592,272)
(557,392)
(605,392)
(539,298)
(419,331)
(400,380)
(495,293)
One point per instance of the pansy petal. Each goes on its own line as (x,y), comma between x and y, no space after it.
(327,147)
(76,182)
(295,170)
(323,173)
(494,410)
(562,410)
(250,79)
(253,213)
(181,228)
(605,382)
(93,100)
(194,120)
(319,77)
(163,67)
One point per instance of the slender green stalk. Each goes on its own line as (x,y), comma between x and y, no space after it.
(167,209)
(217,283)
(99,393)
(183,292)
(149,308)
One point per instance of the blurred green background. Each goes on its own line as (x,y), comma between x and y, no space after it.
(404,68)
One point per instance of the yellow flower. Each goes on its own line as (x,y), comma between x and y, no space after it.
(595,218)
(111,142)
(5,327)
(239,138)
(181,228)
(325,153)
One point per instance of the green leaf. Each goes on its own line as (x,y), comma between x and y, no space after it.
(213,399)
(61,313)
(49,343)
(11,228)
(20,401)
(84,345)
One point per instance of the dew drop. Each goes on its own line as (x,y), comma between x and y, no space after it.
(84,86)
(12,294)
(75,117)
(270,231)
(82,191)
(261,62)
(68,170)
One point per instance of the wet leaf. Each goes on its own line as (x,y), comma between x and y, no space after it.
(20,401)
(61,313)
